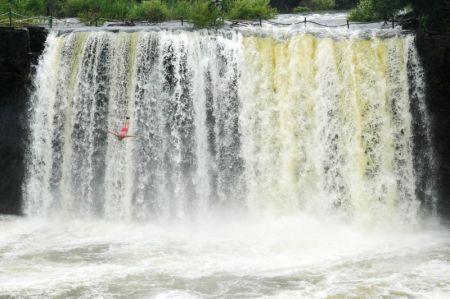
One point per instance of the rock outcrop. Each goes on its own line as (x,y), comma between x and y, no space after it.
(434,49)
(20,49)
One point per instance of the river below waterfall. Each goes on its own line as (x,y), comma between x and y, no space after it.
(228,257)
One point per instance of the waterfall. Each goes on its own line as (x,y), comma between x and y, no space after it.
(226,119)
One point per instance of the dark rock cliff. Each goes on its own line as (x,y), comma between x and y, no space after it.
(19,49)
(434,49)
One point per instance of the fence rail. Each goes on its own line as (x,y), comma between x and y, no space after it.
(347,24)
(15,19)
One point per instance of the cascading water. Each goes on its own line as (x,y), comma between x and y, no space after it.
(268,163)
(288,123)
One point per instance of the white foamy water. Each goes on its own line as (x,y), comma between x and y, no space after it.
(289,257)
(269,162)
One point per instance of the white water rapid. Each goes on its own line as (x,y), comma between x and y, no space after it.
(275,163)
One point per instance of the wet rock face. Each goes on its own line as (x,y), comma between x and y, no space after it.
(18,47)
(38,36)
(14,63)
(434,50)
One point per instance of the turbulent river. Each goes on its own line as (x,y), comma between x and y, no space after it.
(268,162)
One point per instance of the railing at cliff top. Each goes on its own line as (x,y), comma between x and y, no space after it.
(347,24)
(17,20)
(13,19)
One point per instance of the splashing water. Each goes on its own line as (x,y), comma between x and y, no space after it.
(288,257)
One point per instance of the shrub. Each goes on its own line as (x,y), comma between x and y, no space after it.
(28,7)
(153,10)
(323,4)
(114,9)
(78,8)
(180,9)
(371,10)
(203,14)
(226,5)
(364,12)
(385,9)
(250,9)
(35,7)
(309,5)
(300,9)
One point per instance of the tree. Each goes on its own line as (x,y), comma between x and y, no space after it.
(372,10)
(428,14)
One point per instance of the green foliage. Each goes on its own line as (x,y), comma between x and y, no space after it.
(424,21)
(346,4)
(29,7)
(388,9)
(432,14)
(110,9)
(77,7)
(181,9)
(323,4)
(315,5)
(250,9)
(364,12)
(53,7)
(36,7)
(301,9)
(226,5)
(203,14)
(114,9)
(153,10)
(371,10)
(426,14)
